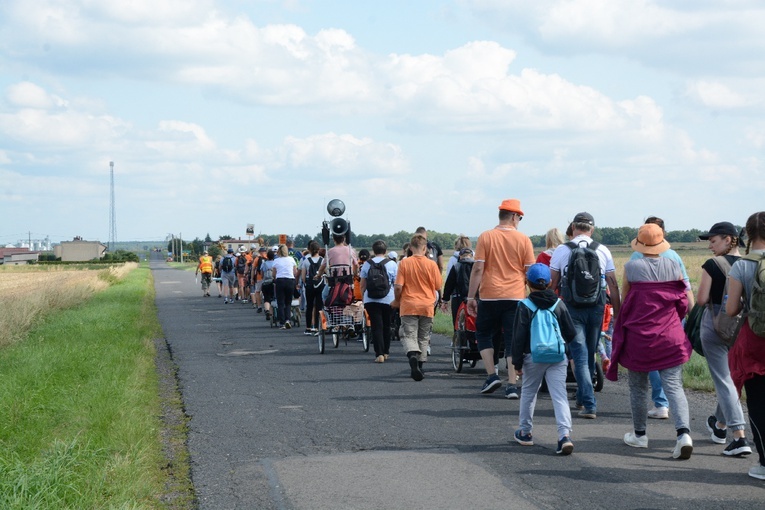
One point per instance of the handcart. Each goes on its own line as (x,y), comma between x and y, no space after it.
(349,322)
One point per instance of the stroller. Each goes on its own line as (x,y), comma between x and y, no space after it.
(464,344)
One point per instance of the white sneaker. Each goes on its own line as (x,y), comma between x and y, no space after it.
(630,439)
(757,471)
(659,413)
(683,448)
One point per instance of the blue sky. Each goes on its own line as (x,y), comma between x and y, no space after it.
(222,113)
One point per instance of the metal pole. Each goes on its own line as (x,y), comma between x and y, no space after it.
(180,240)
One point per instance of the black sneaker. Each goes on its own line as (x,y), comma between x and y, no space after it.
(565,446)
(718,435)
(415,366)
(511,391)
(491,384)
(738,447)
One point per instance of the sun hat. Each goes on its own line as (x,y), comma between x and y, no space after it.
(539,274)
(650,240)
(584,217)
(242,249)
(724,228)
(512,205)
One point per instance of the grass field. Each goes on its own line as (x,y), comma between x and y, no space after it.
(79,394)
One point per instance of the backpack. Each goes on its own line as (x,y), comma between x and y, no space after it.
(378,281)
(226,265)
(313,268)
(756,303)
(464,268)
(546,339)
(241,264)
(432,251)
(340,294)
(725,326)
(580,285)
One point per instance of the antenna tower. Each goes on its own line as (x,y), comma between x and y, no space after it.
(112,215)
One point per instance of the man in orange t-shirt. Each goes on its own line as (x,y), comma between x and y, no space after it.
(499,280)
(415,293)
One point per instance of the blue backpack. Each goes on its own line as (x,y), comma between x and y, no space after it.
(546,340)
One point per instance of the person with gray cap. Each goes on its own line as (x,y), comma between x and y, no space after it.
(588,318)
(724,243)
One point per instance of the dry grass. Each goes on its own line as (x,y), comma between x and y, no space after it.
(29,293)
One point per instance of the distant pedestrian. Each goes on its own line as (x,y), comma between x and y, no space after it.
(285,274)
(205,267)
(553,239)
(228,276)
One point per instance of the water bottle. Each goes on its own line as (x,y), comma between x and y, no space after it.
(602,281)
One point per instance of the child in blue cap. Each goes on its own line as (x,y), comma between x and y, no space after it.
(542,325)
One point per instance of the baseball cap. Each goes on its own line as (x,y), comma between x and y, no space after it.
(538,274)
(724,228)
(584,217)
(262,249)
(230,250)
(512,205)
(392,255)
(206,252)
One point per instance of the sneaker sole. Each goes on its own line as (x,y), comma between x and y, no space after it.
(491,388)
(566,449)
(685,452)
(522,442)
(511,396)
(416,372)
(738,452)
(758,476)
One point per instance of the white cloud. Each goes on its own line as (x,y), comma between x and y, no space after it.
(686,37)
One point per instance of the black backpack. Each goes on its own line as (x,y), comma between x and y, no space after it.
(378,281)
(241,264)
(313,268)
(226,265)
(462,283)
(580,286)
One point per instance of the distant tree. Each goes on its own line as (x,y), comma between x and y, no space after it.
(208,239)
(302,240)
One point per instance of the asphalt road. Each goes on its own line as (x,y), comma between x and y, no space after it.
(276,425)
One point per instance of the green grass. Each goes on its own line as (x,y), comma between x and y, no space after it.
(80,406)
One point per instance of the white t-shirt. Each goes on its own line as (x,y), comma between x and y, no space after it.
(559,260)
(284,267)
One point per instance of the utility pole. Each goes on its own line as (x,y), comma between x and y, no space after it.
(112,215)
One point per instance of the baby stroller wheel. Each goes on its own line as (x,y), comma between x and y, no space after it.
(321,341)
(457,351)
(365,338)
(335,340)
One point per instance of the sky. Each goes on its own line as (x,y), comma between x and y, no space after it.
(222,113)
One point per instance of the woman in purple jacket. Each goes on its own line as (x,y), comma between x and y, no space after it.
(649,336)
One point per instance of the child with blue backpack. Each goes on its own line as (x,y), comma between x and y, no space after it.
(541,329)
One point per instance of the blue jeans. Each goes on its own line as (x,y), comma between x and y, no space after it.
(587,322)
(657,391)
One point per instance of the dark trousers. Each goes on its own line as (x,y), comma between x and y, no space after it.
(379,319)
(312,306)
(284,289)
(755,404)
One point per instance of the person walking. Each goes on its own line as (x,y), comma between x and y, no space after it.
(649,335)
(206,268)
(284,273)
(660,409)
(499,276)
(415,293)
(267,282)
(309,268)
(553,239)
(746,358)
(376,300)
(531,367)
(228,276)
(723,241)
(586,311)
